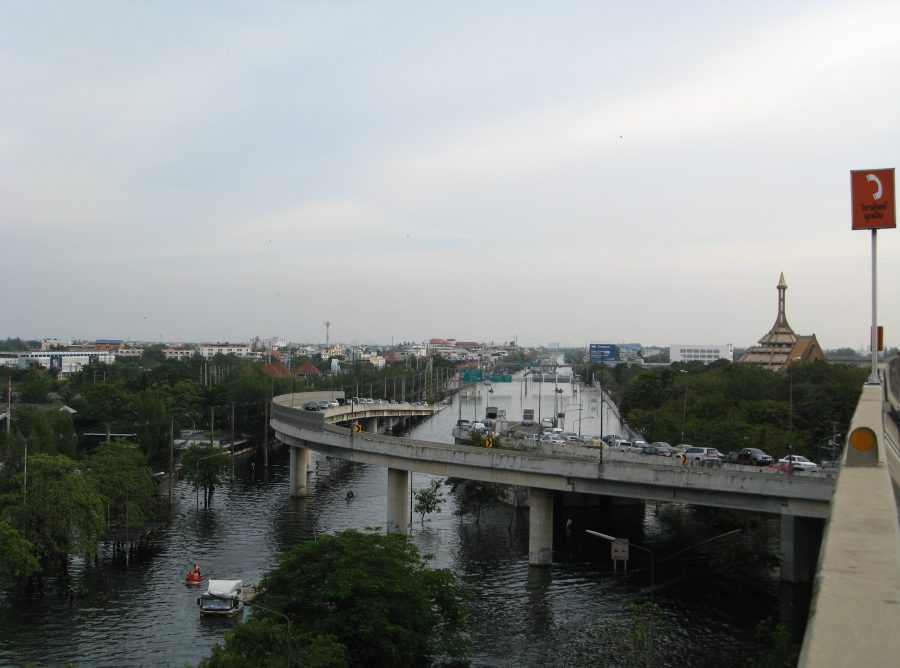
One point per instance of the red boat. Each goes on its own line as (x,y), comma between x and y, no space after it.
(189,580)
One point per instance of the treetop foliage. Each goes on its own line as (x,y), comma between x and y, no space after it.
(372,594)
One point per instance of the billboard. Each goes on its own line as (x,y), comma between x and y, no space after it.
(872,199)
(603,352)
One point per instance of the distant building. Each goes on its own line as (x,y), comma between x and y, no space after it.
(701,353)
(781,347)
(109,344)
(50,344)
(307,370)
(210,350)
(178,353)
(66,361)
(130,352)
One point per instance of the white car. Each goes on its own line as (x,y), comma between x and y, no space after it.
(798,462)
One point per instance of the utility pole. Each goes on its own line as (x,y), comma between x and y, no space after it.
(212,424)
(171,459)
(232,442)
(266,435)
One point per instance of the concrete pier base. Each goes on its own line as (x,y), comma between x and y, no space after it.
(300,458)
(397,501)
(540,527)
(371,425)
(799,548)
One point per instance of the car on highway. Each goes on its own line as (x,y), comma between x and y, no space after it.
(799,462)
(749,456)
(311,406)
(660,449)
(639,443)
(324,405)
(552,438)
(701,456)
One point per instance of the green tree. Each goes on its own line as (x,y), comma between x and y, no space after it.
(34,385)
(264,642)
(374,593)
(16,554)
(202,467)
(56,508)
(125,480)
(474,496)
(50,432)
(152,425)
(429,499)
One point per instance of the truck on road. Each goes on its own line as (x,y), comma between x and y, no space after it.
(749,456)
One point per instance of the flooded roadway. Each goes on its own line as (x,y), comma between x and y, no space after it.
(138,612)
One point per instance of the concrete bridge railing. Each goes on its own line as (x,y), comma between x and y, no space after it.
(855,613)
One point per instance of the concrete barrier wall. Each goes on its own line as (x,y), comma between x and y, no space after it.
(855,613)
(805,495)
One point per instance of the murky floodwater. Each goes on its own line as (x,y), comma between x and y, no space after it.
(138,612)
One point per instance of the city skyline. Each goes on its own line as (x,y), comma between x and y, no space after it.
(574,173)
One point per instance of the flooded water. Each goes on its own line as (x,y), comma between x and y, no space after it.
(138,612)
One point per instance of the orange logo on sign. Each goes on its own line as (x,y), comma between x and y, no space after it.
(872,197)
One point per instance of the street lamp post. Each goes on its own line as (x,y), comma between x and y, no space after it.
(280,614)
(684,410)
(791,410)
(579,415)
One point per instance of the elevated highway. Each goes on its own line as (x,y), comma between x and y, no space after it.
(802,499)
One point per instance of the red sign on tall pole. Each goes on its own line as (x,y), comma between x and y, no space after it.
(872,197)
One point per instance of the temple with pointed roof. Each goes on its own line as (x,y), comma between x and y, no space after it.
(781,347)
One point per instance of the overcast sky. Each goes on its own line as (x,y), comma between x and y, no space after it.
(553,171)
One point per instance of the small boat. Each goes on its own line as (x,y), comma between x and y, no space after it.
(223,598)
(191,582)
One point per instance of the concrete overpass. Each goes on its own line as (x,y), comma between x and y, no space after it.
(802,499)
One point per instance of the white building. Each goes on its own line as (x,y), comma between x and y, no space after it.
(68,362)
(701,353)
(178,353)
(210,350)
(49,344)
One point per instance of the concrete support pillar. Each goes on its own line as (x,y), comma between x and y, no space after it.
(540,527)
(372,425)
(397,501)
(799,549)
(300,458)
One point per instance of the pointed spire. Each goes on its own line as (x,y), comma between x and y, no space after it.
(781,332)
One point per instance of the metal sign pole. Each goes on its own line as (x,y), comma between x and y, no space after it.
(873,377)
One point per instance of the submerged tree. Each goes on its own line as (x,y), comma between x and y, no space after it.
(202,466)
(55,507)
(359,599)
(475,496)
(16,554)
(429,499)
(125,480)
